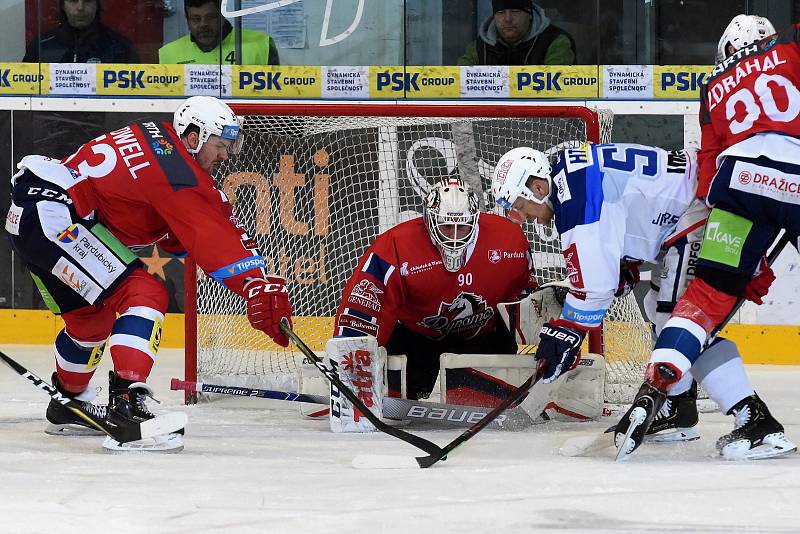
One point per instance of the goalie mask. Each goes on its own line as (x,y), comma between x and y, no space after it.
(511,175)
(742,31)
(451,215)
(213,117)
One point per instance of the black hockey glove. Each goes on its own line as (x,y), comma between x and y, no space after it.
(560,346)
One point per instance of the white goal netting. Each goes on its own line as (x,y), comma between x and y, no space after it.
(315,190)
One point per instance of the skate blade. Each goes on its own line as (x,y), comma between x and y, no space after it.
(168,443)
(773,446)
(71,430)
(674,435)
(626,446)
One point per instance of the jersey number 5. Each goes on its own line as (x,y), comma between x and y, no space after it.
(646,159)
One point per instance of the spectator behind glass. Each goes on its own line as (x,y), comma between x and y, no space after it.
(202,45)
(519,33)
(80,38)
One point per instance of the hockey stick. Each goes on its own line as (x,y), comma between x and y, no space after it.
(161,424)
(456,415)
(421,443)
(432,458)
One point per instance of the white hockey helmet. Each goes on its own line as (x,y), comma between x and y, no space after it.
(213,117)
(742,31)
(451,215)
(511,174)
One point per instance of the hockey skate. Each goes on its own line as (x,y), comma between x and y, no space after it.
(64,422)
(631,429)
(676,420)
(757,435)
(127,405)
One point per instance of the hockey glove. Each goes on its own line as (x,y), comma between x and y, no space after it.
(759,285)
(560,346)
(267,304)
(628,278)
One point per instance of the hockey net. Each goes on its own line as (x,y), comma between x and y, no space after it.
(316,184)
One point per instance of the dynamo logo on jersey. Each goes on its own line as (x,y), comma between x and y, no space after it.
(69,235)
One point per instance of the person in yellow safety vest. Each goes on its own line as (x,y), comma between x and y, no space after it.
(212,40)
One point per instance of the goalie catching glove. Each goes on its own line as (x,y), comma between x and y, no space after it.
(267,304)
(559,346)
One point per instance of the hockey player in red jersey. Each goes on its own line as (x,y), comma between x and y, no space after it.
(750,172)
(432,284)
(75,222)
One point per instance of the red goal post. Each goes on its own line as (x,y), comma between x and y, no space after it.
(315,183)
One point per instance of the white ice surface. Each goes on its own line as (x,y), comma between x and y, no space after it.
(251,467)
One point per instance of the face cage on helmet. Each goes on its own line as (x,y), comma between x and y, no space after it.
(452,249)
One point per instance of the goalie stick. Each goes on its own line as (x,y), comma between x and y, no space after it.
(455,415)
(159,425)
(418,442)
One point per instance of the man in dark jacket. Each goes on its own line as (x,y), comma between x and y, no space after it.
(519,33)
(80,38)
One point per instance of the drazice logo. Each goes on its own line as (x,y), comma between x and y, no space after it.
(744,177)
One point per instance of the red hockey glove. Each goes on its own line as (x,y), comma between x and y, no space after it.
(628,278)
(759,284)
(267,304)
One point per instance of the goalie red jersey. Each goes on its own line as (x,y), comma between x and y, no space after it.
(146,188)
(756,90)
(401,278)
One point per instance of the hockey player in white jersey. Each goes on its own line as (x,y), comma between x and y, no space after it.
(615,206)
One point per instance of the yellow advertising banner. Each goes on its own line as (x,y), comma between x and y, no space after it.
(24,79)
(551,81)
(277,81)
(679,81)
(414,82)
(387,82)
(137,80)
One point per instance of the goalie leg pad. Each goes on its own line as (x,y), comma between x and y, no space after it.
(482,379)
(361,366)
(579,397)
